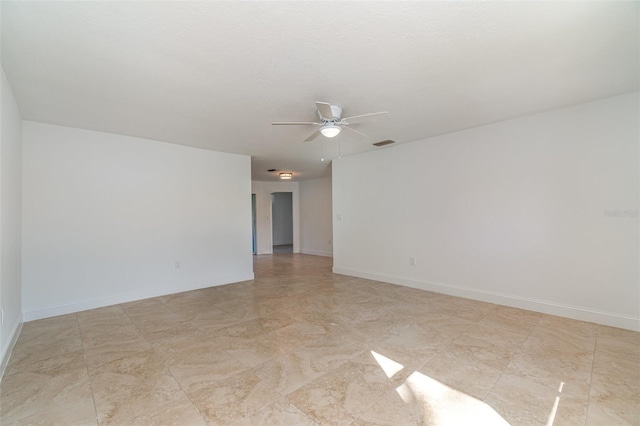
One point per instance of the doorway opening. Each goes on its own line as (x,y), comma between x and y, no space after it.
(254,245)
(282,222)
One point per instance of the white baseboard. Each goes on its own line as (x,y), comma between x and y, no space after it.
(542,306)
(317,252)
(5,355)
(83,305)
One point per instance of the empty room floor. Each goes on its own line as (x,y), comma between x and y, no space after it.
(302,346)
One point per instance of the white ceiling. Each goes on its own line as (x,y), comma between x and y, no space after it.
(216,74)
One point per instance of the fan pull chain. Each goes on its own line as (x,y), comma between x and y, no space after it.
(322,144)
(339,151)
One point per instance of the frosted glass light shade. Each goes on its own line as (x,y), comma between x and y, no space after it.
(330,131)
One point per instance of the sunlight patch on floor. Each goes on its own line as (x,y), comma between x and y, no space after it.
(442,405)
(439,404)
(554,409)
(389,366)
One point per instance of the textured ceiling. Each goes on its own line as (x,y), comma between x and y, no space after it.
(215,74)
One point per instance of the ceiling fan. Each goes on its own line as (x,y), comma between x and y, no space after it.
(331,121)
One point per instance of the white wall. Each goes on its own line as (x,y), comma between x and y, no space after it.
(10,221)
(539,212)
(282,218)
(264,229)
(316,228)
(106,217)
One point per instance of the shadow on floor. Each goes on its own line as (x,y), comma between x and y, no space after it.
(283,248)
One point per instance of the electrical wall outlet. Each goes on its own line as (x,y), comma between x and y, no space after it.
(177,265)
(412,261)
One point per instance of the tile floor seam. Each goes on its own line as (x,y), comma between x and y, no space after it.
(185,393)
(593,364)
(235,421)
(550,344)
(211,339)
(372,405)
(86,366)
(155,352)
(302,411)
(520,349)
(495,308)
(246,368)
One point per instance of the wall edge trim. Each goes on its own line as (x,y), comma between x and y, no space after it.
(542,306)
(7,351)
(83,305)
(317,252)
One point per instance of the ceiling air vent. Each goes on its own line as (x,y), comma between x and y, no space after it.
(383,143)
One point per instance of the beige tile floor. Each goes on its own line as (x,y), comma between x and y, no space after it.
(302,346)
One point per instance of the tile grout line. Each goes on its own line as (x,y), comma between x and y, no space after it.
(210,339)
(155,352)
(86,366)
(513,335)
(520,349)
(593,363)
(417,368)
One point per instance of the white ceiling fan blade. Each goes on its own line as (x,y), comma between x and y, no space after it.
(354,130)
(293,123)
(313,136)
(362,118)
(325,110)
